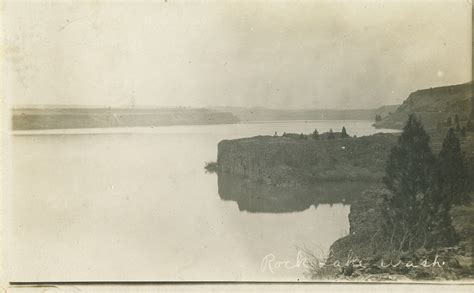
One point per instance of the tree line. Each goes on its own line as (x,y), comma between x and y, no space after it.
(316,136)
(456,125)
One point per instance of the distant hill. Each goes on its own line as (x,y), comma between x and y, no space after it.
(433,106)
(30,117)
(74,117)
(265,114)
(386,110)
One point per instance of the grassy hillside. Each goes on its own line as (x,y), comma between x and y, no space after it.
(433,106)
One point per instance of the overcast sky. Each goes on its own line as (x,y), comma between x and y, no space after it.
(278,55)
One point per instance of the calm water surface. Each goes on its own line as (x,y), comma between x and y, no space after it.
(136,204)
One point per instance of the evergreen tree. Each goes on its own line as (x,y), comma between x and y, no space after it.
(469,125)
(378,118)
(450,177)
(315,134)
(456,122)
(331,134)
(302,136)
(408,177)
(449,122)
(344,132)
(449,188)
(439,126)
(472,108)
(463,131)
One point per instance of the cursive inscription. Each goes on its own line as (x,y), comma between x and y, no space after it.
(270,263)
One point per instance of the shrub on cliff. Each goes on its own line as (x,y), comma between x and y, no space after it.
(211,167)
(331,134)
(456,123)
(408,177)
(469,125)
(449,122)
(315,134)
(439,126)
(344,132)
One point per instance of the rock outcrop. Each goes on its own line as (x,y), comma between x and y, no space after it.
(287,161)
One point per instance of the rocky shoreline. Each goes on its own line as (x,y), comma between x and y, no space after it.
(355,257)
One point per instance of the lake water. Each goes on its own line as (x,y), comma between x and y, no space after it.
(136,204)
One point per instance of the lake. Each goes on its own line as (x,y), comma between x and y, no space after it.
(136,204)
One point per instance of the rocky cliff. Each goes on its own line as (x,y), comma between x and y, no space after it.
(287,161)
(433,106)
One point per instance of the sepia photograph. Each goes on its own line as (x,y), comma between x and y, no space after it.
(263,142)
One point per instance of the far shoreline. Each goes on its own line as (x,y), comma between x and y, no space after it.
(152,129)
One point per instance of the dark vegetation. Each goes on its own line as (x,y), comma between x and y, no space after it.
(423,214)
(423,190)
(210,167)
(317,136)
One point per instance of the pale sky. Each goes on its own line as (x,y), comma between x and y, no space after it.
(196,54)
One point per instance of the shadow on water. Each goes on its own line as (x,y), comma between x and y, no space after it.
(258,197)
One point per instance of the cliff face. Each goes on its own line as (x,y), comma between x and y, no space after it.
(285,161)
(432,106)
(365,219)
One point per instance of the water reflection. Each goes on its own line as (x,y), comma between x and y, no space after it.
(257,197)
